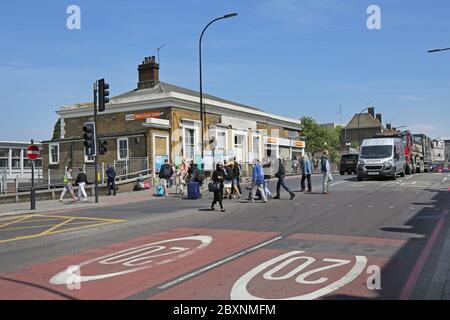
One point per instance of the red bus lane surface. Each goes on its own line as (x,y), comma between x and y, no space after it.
(123,269)
(274,273)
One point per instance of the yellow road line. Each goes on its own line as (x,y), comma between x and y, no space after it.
(42,226)
(56,226)
(14,221)
(53,230)
(77,217)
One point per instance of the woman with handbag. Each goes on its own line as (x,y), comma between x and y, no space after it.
(216,186)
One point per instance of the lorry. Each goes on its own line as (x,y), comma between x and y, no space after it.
(382,157)
(413,148)
(422,149)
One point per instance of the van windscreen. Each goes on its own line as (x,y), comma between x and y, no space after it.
(376,152)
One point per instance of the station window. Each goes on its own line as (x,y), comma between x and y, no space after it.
(122,148)
(54,153)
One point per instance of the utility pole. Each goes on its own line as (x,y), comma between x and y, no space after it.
(96,141)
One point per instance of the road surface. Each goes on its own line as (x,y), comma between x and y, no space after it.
(365,240)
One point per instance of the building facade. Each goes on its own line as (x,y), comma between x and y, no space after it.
(438,151)
(14,162)
(160,120)
(363,126)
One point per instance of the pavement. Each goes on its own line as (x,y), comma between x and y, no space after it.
(375,239)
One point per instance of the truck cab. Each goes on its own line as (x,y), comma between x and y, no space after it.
(381,157)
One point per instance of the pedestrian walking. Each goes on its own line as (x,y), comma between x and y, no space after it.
(306,173)
(228,179)
(111,179)
(218,177)
(257,182)
(68,185)
(326,171)
(267,170)
(281,175)
(165,173)
(235,183)
(237,169)
(82,181)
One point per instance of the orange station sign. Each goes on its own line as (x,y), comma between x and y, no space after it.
(143,115)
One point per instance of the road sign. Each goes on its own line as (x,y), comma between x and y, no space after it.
(33,152)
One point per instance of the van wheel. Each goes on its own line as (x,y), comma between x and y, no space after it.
(402,174)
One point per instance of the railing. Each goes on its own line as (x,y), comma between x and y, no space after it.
(54,178)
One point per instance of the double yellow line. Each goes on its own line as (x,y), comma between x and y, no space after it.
(53,228)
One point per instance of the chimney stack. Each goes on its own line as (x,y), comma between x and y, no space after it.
(388,126)
(379,118)
(148,73)
(372,111)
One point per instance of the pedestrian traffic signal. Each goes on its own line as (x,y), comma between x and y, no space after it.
(89,137)
(103,150)
(103,94)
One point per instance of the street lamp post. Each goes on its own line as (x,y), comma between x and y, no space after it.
(359,134)
(202,111)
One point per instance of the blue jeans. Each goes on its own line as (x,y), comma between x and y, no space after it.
(280,183)
(266,189)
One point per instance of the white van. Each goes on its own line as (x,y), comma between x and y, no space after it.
(381,157)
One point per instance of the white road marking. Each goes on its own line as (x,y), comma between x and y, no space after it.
(409,177)
(240,292)
(143,258)
(216,264)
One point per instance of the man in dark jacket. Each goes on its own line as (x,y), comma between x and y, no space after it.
(281,174)
(165,173)
(82,181)
(111,179)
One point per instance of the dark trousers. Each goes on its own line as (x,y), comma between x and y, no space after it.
(280,183)
(111,183)
(306,177)
(218,197)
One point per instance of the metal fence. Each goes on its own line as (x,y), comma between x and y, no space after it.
(54,178)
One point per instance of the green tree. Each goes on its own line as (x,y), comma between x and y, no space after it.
(319,138)
(57,130)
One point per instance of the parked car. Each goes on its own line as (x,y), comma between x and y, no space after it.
(348,163)
(428,166)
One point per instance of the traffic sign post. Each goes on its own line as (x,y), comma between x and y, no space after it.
(33,153)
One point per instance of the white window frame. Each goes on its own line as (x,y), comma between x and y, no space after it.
(50,160)
(119,158)
(223,130)
(192,125)
(245,146)
(259,146)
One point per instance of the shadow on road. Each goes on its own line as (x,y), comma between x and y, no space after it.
(396,279)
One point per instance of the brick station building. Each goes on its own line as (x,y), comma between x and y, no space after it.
(158,120)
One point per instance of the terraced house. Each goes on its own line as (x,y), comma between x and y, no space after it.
(158,120)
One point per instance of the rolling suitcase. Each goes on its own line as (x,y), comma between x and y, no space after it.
(193,189)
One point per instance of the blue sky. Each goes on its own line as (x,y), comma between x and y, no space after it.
(290,57)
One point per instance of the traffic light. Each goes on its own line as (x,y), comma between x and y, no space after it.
(103,94)
(103,150)
(89,137)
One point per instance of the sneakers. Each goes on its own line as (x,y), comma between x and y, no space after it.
(277,197)
(222,210)
(292,196)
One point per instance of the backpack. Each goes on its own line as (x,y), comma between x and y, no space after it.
(160,191)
